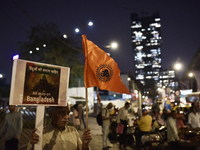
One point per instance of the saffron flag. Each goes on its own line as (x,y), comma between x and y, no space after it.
(100,69)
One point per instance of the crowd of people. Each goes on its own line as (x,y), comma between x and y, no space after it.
(173,120)
(55,133)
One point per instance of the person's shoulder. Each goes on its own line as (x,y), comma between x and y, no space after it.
(169,119)
(121,108)
(191,113)
(48,128)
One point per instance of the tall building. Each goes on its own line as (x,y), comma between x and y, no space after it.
(146,41)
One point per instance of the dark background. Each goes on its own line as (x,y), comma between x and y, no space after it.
(179,25)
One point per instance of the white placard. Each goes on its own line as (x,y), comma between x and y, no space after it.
(36,83)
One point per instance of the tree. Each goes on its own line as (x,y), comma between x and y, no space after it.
(48,46)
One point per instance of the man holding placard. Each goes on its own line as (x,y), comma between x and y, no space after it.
(57,135)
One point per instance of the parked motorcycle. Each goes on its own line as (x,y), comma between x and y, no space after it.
(155,138)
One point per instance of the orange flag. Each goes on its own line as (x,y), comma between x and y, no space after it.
(100,69)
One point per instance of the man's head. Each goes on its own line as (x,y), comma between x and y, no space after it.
(109,106)
(127,105)
(144,112)
(173,114)
(12,108)
(194,109)
(59,116)
(76,106)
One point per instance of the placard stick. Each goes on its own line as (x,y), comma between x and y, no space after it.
(39,125)
(86,103)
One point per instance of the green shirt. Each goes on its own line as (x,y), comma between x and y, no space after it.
(12,126)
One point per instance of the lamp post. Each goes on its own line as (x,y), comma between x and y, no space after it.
(191,75)
(177,66)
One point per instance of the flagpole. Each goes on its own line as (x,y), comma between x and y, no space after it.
(98,101)
(86,103)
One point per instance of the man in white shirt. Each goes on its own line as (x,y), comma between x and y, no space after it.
(58,136)
(193,118)
(172,131)
(122,118)
(106,124)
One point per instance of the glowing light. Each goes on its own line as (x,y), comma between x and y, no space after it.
(114,45)
(37,48)
(77,30)
(30,52)
(177,66)
(15,57)
(64,36)
(90,23)
(44,45)
(190,74)
(1,76)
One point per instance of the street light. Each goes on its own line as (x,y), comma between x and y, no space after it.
(90,23)
(113,45)
(77,30)
(190,74)
(178,66)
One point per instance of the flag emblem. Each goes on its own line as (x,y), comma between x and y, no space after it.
(104,73)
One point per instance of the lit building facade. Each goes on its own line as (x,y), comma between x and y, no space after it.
(146,41)
(167,78)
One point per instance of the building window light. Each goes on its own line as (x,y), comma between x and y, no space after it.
(148,77)
(148,44)
(157,19)
(136,26)
(139,47)
(149,55)
(144,37)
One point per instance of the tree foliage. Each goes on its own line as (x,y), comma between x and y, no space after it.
(48,46)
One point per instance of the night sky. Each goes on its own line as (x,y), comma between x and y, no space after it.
(179,20)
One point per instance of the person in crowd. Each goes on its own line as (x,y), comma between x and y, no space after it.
(139,111)
(154,115)
(164,115)
(144,126)
(172,131)
(76,120)
(180,119)
(193,118)
(122,118)
(106,124)
(189,111)
(57,135)
(81,116)
(12,128)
